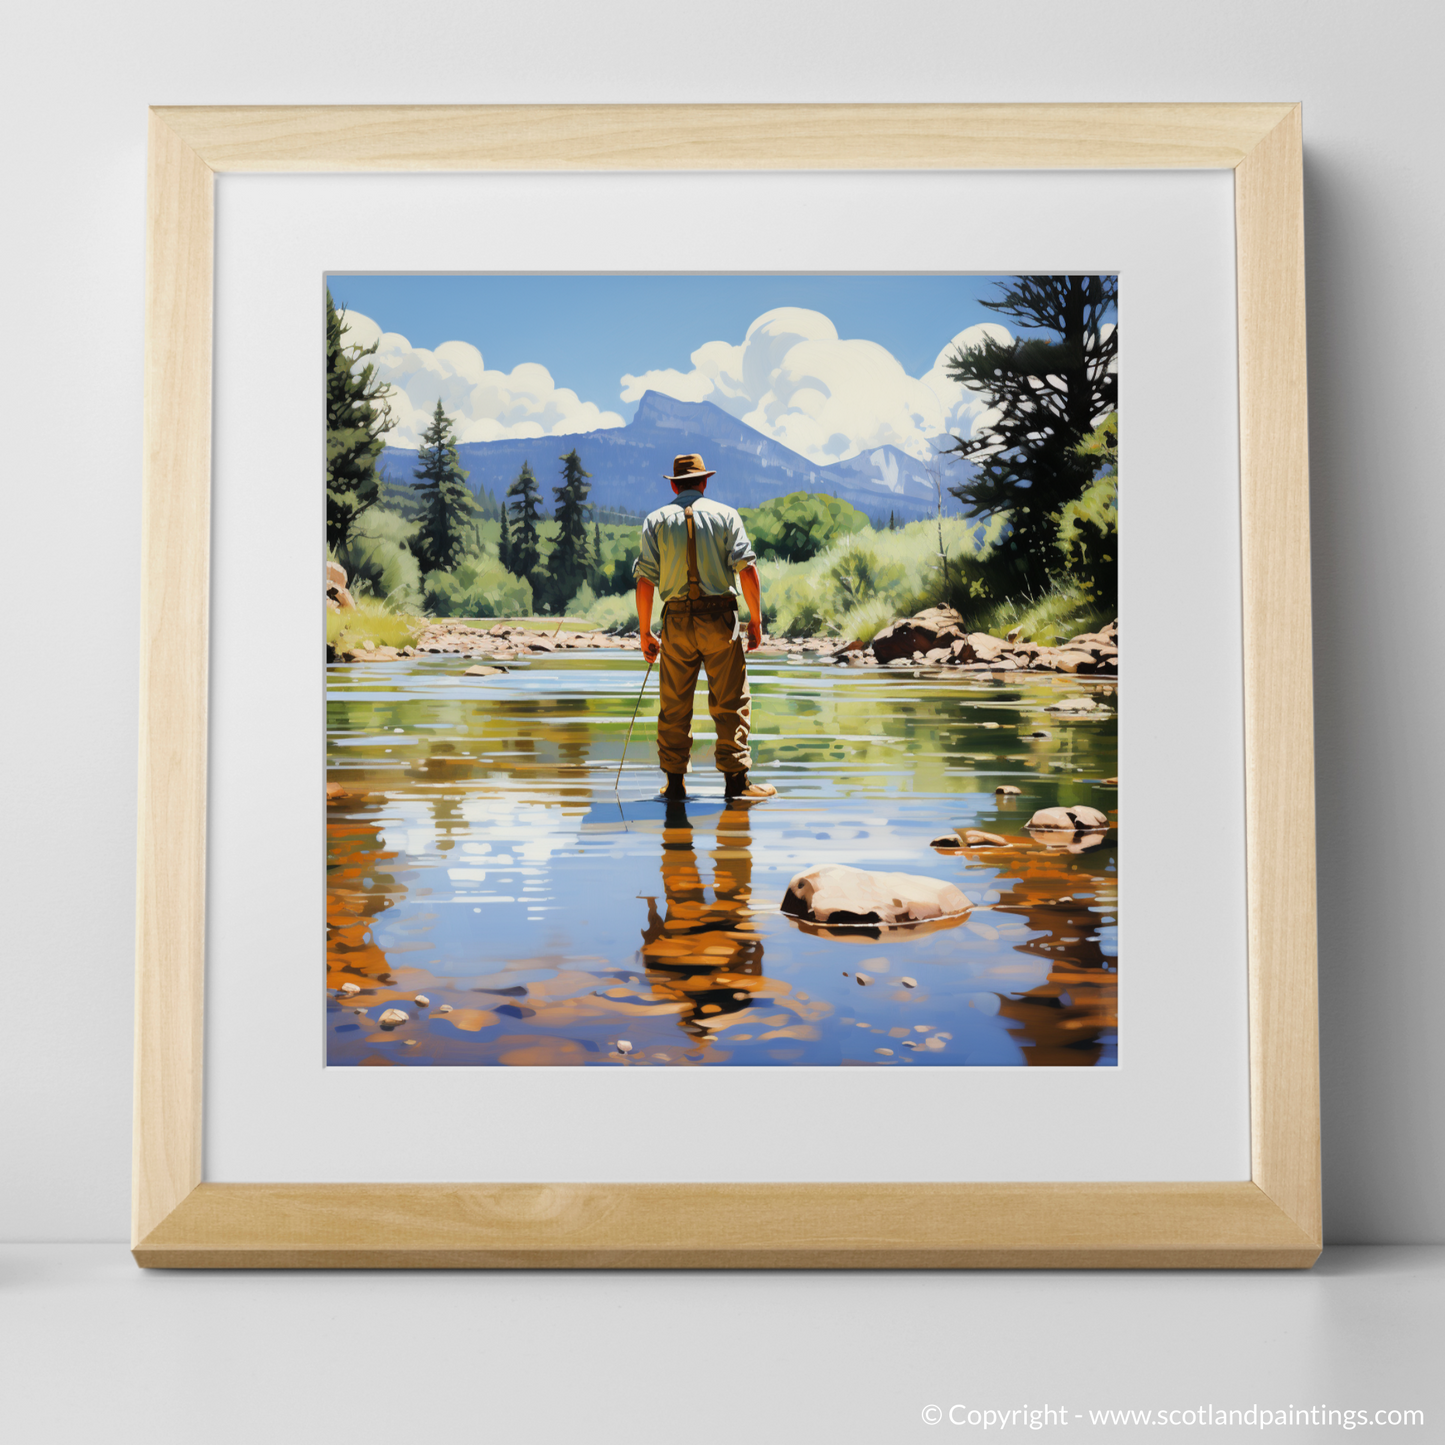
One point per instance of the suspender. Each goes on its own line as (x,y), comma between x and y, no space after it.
(694,581)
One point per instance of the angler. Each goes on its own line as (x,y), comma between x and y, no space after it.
(696,552)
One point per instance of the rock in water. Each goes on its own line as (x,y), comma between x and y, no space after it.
(1077,819)
(835,893)
(1007,790)
(936,627)
(908,982)
(422,999)
(483,671)
(863,978)
(945,840)
(624,1046)
(391,1018)
(976,838)
(349,990)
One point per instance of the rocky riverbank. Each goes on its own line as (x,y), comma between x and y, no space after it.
(937,638)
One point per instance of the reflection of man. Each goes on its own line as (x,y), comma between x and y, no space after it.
(693,550)
(695,942)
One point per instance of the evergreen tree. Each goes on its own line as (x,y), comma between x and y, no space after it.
(504,542)
(595,561)
(1050,393)
(567,566)
(446,502)
(357,420)
(524,504)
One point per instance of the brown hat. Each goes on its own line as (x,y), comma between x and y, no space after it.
(689,468)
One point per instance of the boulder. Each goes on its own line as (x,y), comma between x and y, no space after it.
(935,627)
(335,574)
(1077,819)
(835,893)
(343,599)
(908,982)
(944,840)
(349,990)
(624,1046)
(1007,790)
(976,838)
(484,671)
(391,1018)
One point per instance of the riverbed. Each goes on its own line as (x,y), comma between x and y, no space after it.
(484,854)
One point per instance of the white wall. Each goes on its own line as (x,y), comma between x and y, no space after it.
(78,80)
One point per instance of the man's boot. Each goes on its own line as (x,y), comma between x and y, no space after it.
(736,785)
(676,790)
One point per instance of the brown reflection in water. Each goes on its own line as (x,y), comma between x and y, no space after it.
(1065,1019)
(356,893)
(705,956)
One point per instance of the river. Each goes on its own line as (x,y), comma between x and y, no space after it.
(482,855)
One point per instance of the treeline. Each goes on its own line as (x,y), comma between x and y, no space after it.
(436,546)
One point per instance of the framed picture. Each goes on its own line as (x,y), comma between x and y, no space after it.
(621,1028)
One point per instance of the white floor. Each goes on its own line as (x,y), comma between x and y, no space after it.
(93,1349)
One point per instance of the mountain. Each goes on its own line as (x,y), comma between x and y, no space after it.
(629,464)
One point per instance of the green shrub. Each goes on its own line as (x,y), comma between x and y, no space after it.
(478,587)
(800,525)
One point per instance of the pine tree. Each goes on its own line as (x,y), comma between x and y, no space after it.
(525,506)
(446,502)
(594,569)
(1048,394)
(357,420)
(504,542)
(567,566)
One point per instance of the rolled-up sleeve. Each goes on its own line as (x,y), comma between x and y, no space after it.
(740,550)
(647,563)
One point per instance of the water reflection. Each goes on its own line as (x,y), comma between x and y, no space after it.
(479,859)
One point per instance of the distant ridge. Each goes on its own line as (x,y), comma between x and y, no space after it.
(628,464)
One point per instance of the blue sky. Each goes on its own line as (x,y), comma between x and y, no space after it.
(828,365)
(589,330)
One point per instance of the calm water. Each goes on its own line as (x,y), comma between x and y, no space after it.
(481,857)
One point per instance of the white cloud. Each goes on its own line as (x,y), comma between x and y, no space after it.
(794,379)
(483,405)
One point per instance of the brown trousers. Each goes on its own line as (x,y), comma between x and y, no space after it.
(691,642)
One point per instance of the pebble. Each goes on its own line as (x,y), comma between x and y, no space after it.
(988,725)
(392,1017)
(349,990)
(908,982)
(944,840)
(624,1046)
(889,1052)
(446,1008)
(865,978)
(422,999)
(1007,790)
(976,839)
(408,1043)
(933,1042)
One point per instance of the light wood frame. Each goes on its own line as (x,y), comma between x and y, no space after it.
(1273,1220)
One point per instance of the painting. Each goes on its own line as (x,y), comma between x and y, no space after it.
(721,670)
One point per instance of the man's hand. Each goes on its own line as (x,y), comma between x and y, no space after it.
(755,636)
(651,645)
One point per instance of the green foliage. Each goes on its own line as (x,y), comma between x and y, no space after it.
(375,621)
(858,576)
(1047,394)
(447,508)
(800,525)
(569,563)
(379,561)
(357,420)
(524,515)
(1088,534)
(478,587)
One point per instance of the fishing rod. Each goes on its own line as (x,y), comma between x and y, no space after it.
(617,786)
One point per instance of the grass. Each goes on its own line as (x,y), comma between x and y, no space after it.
(371,622)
